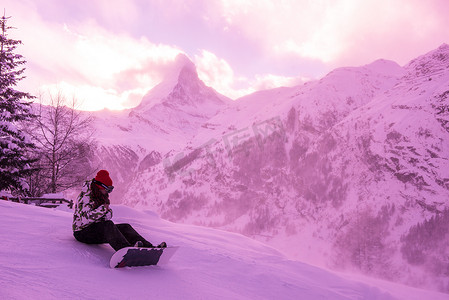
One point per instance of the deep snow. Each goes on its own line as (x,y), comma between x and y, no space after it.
(40,259)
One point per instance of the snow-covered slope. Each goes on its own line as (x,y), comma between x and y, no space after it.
(40,259)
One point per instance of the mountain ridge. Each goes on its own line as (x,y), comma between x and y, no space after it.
(347,149)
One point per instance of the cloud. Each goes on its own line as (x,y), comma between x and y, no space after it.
(113,53)
(341,31)
(106,55)
(217,73)
(91,98)
(101,67)
(119,12)
(269,81)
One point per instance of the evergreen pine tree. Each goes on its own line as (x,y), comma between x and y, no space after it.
(14,108)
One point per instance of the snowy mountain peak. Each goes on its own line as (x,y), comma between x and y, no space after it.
(180,67)
(181,86)
(385,67)
(188,89)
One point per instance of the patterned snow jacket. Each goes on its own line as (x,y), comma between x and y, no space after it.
(85,214)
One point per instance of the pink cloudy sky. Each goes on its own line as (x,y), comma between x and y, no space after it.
(110,53)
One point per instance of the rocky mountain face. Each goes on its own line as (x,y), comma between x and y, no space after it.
(350,171)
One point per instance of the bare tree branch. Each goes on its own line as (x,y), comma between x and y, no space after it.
(64,138)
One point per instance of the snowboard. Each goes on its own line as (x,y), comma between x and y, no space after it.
(139,256)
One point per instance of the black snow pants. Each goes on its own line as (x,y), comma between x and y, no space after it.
(117,235)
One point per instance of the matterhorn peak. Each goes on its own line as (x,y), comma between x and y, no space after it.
(181,67)
(182,61)
(181,86)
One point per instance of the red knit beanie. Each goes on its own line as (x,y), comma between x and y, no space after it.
(103,177)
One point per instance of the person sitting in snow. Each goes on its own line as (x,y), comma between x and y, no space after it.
(92,218)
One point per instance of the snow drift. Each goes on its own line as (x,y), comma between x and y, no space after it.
(39,258)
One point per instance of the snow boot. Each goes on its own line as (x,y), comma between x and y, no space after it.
(138,244)
(162,245)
